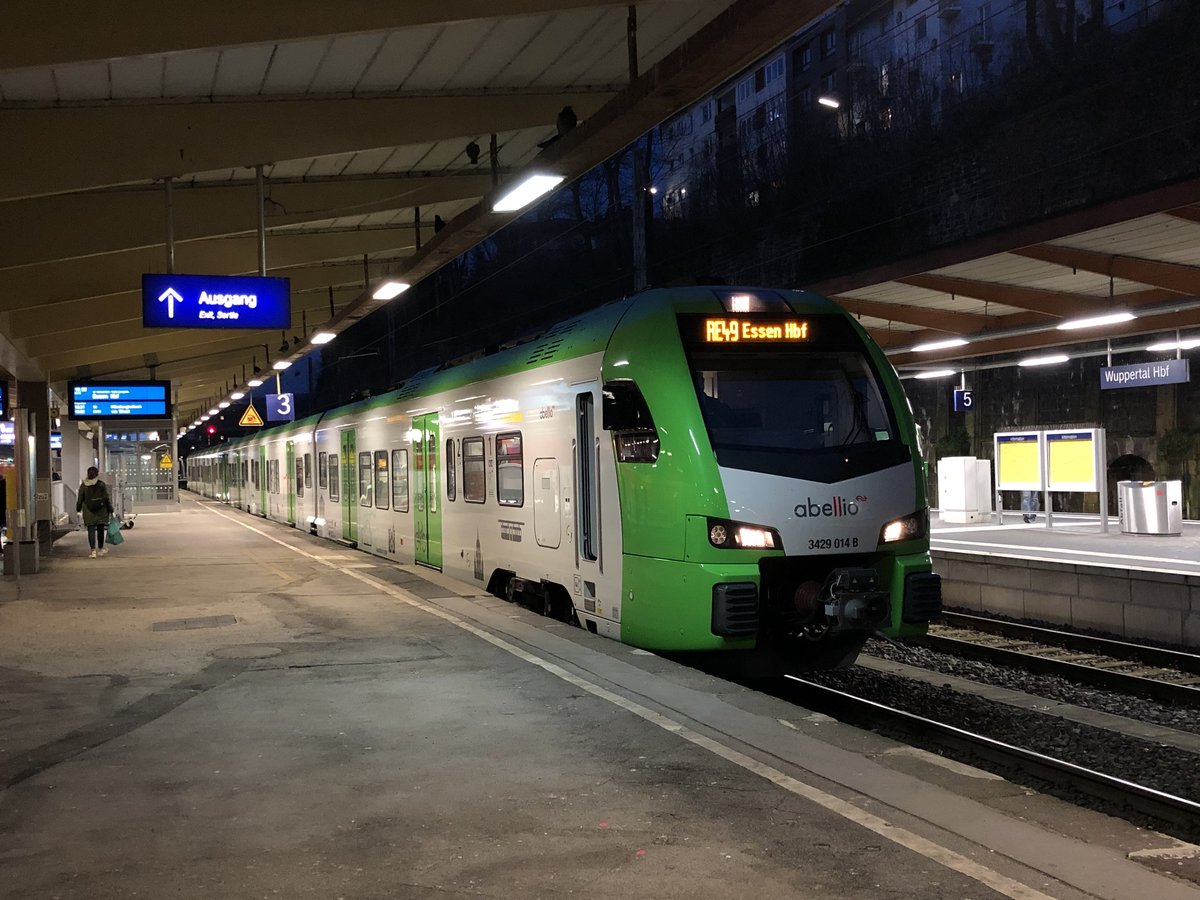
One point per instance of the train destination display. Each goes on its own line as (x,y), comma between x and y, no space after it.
(120,400)
(215,301)
(728,331)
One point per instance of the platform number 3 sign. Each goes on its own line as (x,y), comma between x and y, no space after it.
(281,408)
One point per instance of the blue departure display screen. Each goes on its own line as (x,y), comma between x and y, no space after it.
(216,301)
(120,400)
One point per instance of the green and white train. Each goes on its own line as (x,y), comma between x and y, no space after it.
(690,469)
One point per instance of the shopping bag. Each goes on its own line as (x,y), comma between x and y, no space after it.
(114,532)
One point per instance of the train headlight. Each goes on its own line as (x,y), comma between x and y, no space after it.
(908,528)
(741,536)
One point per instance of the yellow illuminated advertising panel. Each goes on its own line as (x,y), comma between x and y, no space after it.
(1019,461)
(1072,460)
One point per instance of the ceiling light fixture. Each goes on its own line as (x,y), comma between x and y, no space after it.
(236,395)
(224,404)
(255,382)
(282,364)
(828,101)
(213,411)
(936,373)
(1096,321)
(1186,344)
(390,289)
(1051,360)
(322,337)
(526,192)
(941,345)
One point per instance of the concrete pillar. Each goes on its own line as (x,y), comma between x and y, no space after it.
(34,398)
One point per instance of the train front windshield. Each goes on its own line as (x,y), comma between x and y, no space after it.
(810,413)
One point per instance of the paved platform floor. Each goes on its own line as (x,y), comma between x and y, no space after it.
(225,707)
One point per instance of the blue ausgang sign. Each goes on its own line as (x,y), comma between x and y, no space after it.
(1165,371)
(215,301)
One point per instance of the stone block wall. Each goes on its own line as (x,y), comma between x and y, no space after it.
(1129,604)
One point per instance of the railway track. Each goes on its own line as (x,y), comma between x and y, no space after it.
(1166,676)
(847,707)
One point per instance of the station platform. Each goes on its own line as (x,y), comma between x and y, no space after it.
(1141,587)
(226,707)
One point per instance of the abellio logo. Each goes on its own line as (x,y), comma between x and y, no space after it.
(838,506)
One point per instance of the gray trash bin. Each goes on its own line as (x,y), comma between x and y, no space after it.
(1150,507)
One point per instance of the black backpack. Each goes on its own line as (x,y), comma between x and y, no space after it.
(95,499)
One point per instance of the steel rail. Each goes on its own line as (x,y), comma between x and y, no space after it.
(1151,656)
(1082,673)
(1149,801)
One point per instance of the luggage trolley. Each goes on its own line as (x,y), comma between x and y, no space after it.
(122,499)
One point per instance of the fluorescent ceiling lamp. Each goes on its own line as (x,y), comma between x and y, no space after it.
(1186,344)
(224,404)
(389,290)
(1095,321)
(282,364)
(236,395)
(213,411)
(936,373)
(255,382)
(527,191)
(941,345)
(1051,360)
(204,418)
(828,101)
(323,337)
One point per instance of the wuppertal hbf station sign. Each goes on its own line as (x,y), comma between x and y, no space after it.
(216,301)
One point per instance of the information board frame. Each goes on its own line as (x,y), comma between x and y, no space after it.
(1077,470)
(1014,453)
(85,416)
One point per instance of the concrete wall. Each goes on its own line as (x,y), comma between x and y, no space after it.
(1127,604)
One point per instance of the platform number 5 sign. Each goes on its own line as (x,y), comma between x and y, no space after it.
(281,408)
(964,399)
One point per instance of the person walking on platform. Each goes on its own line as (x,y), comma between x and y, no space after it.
(96,505)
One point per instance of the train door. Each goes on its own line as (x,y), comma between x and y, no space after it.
(588,561)
(263,478)
(291,477)
(427,511)
(235,491)
(349,486)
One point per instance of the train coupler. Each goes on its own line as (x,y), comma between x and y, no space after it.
(854,600)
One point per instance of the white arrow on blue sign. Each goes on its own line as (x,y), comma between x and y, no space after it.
(172,297)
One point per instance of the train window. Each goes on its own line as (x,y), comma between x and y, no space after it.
(366,480)
(308,471)
(322,469)
(400,480)
(474,470)
(510,473)
(450,486)
(254,472)
(628,417)
(335,484)
(382,489)
(299,476)
(273,476)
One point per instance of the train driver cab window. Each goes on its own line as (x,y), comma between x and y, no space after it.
(400,480)
(335,476)
(474,470)
(450,486)
(382,487)
(510,474)
(366,480)
(322,469)
(627,416)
